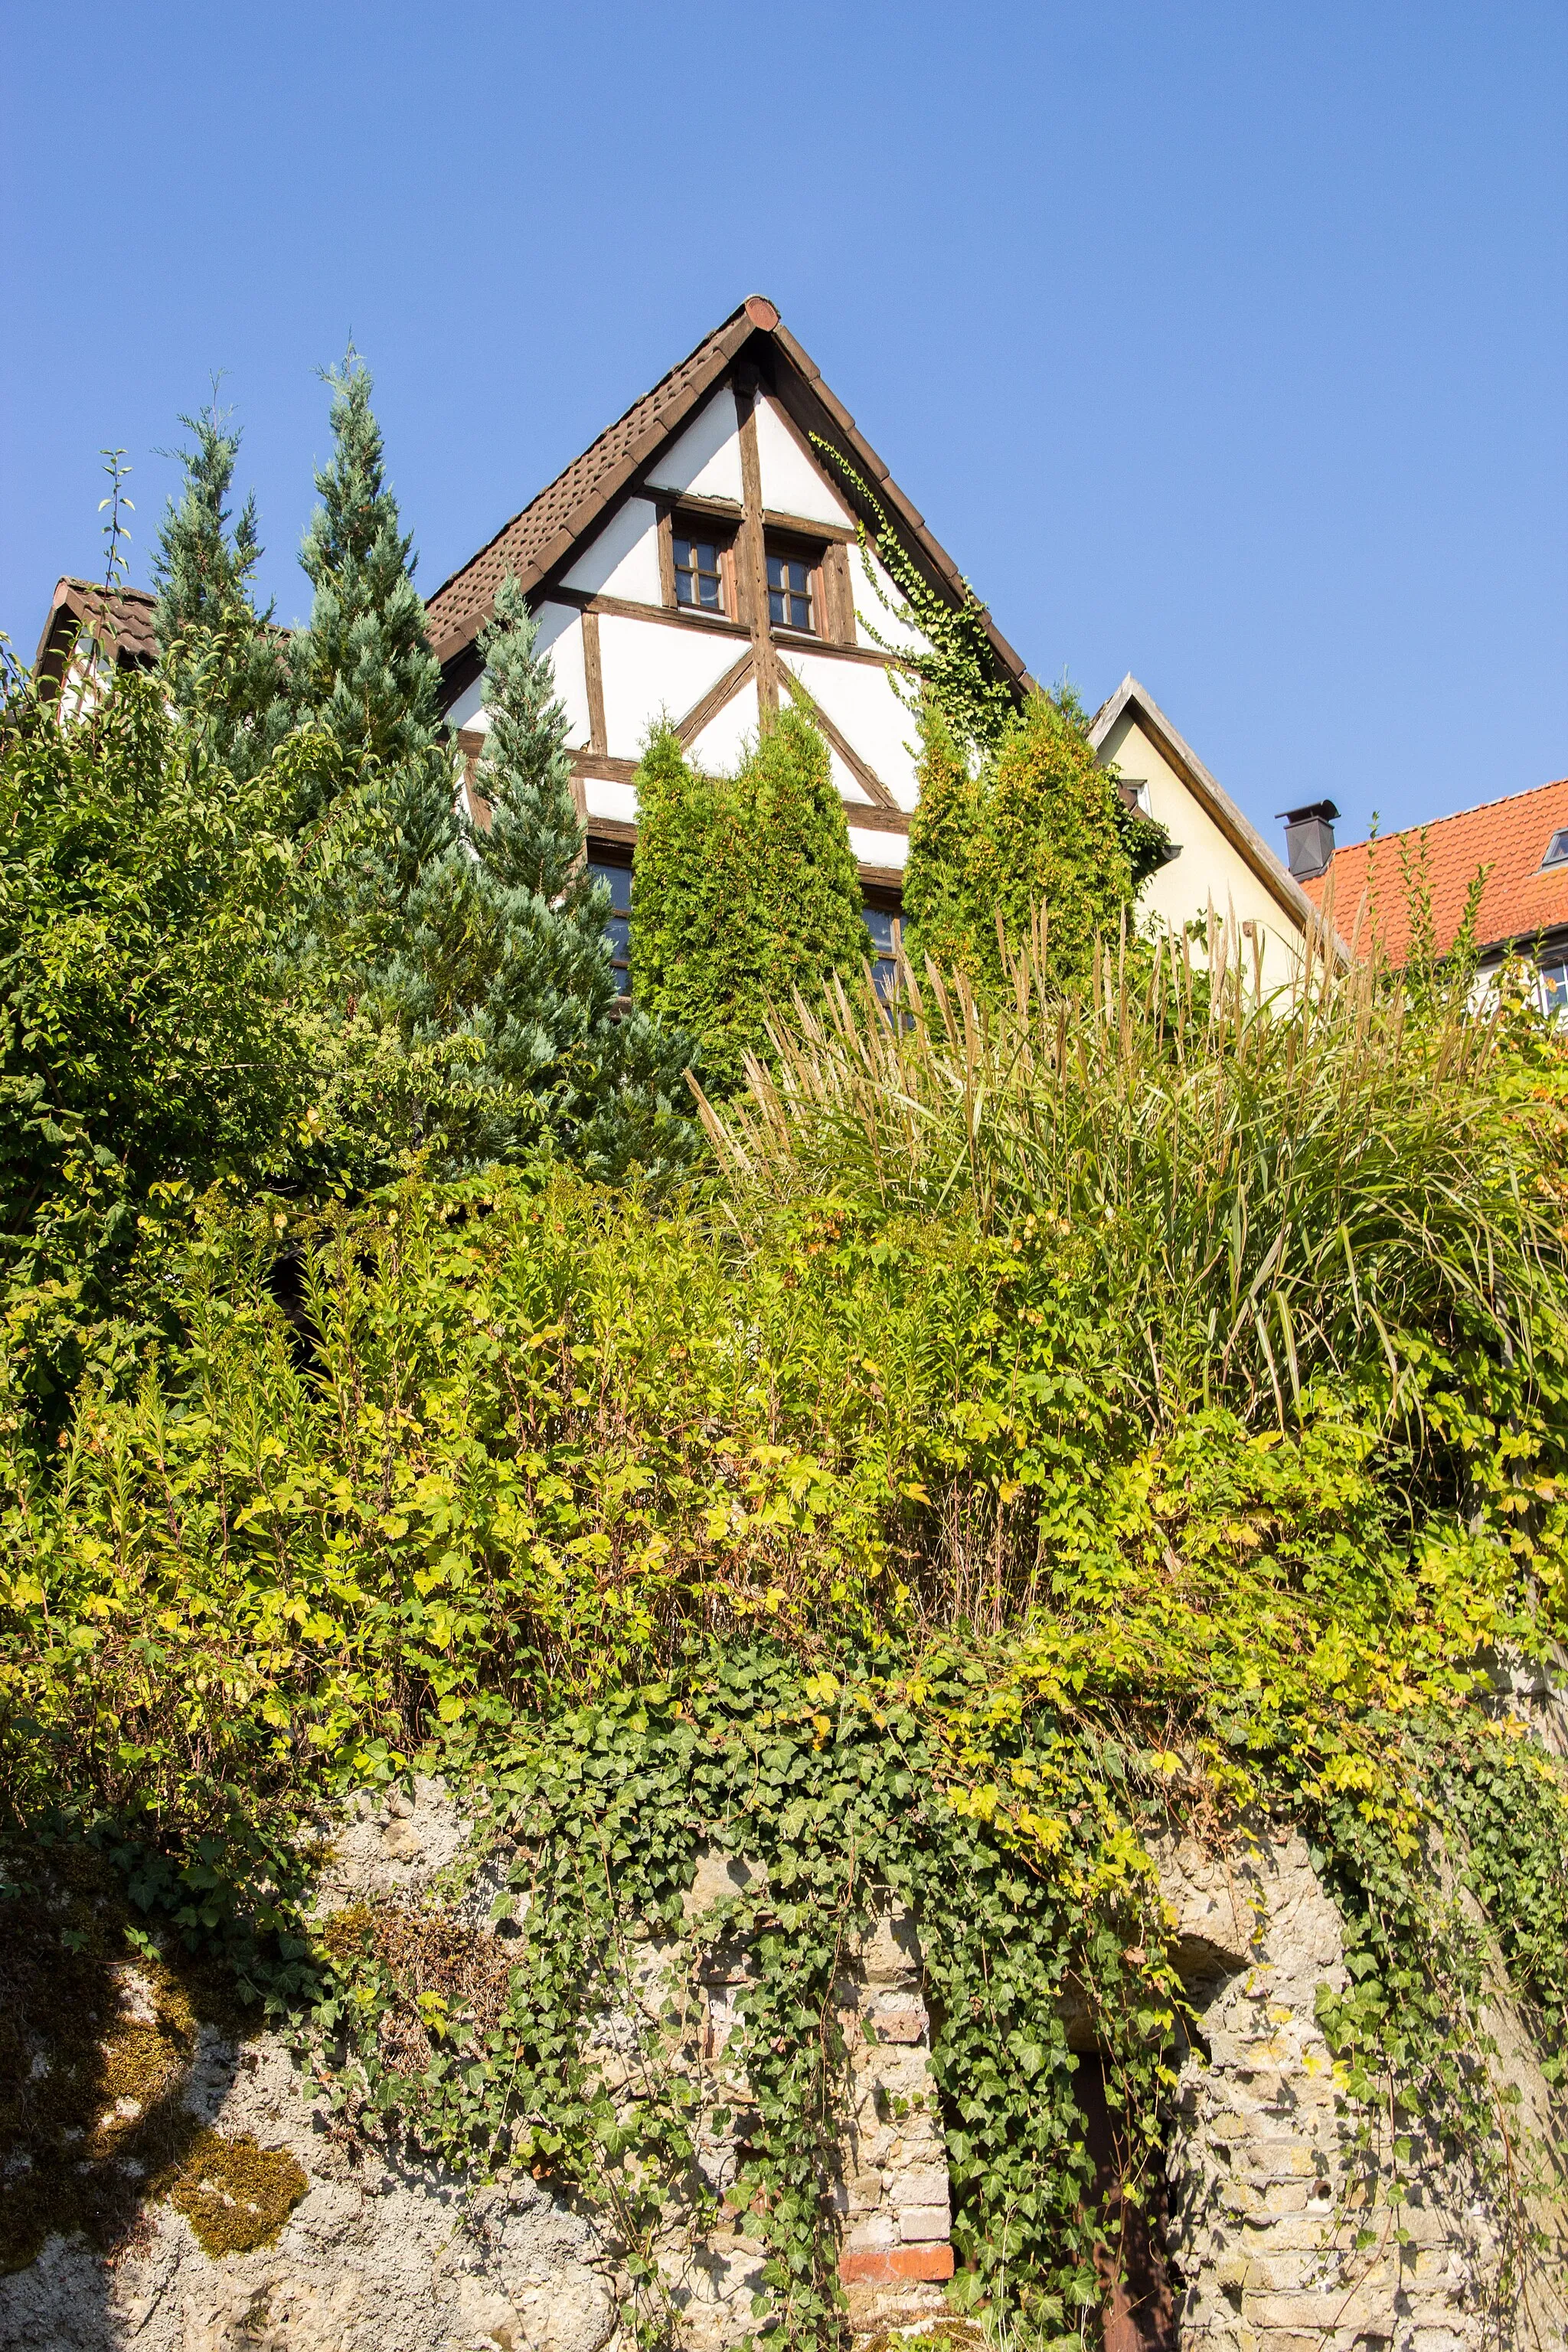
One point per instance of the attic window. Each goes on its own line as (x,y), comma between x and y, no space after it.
(1557,850)
(698,574)
(789,591)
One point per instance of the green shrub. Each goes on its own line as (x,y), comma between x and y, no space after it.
(1038,826)
(746,888)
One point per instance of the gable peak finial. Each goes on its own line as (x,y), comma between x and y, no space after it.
(761,311)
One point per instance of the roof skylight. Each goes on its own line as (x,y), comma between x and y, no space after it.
(1557,850)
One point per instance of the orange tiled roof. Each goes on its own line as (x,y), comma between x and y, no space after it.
(534,539)
(1508,838)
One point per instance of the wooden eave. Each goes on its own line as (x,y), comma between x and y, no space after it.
(1211,796)
(753,335)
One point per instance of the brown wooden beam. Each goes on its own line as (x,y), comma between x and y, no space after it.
(754,560)
(722,690)
(865,776)
(593,670)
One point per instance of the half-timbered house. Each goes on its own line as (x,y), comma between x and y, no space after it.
(699,559)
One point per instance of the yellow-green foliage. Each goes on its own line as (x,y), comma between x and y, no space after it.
(1039,825)
(1057,1425)
(746,888)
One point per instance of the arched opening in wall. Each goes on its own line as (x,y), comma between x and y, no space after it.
(1140,2312)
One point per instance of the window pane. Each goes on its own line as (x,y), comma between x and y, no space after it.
(879,923)
(776,613)
(618,929)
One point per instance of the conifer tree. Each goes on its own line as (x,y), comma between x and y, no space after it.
(1041,824)
(937,898)
(746,887)
(364,667)
(222,659)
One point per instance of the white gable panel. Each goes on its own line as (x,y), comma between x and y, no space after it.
(792,483)
(623,559)
(706,459)
(859,699)
(879,848)
(559,636)
(723,743)
(844,779)
(606,799)
(648,667)
(869,607)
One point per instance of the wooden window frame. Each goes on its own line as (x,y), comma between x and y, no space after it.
(714,531)
(810,554)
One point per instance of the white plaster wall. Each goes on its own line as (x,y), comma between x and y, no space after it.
(611,800)
(879,848)
(862,703)
(706,459)
(653,666)
(622,560)
(724,741)
(1209,867)
(870,612)
(559,636)
(792,482)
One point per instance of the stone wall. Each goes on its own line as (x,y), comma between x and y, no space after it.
(1269,2190)
(1267,2195)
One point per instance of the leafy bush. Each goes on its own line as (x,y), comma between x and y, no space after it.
(1038,823)
(746,888)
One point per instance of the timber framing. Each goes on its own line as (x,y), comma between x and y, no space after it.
(753,360)
(541,543)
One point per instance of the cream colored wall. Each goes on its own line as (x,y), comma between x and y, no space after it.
(1210,869)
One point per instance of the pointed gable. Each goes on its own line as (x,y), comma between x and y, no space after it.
(699,565)
(676,426)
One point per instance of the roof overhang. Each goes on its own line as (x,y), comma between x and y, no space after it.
(1212,798)
(751,337)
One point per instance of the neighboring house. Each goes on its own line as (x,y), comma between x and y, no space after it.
(1218,859)
(88,627)
(1519,844)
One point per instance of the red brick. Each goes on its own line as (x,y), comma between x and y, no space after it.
(880,2266)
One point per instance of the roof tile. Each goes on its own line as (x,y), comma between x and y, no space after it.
(1508,839)
(463,602)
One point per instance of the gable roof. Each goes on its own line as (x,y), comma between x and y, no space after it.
(121,616)
(1209,793)
(1508,838)
(537,542)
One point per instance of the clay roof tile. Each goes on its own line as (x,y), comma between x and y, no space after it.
(1508,838)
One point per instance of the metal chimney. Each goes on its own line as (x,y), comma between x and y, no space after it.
(1310,839)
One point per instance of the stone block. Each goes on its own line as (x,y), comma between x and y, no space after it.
(857,2268)
(871,2230)
(919,2223)
(921,2184)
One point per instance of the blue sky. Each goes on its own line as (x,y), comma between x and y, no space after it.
(1224,344)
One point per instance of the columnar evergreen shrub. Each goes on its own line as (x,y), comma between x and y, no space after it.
(1039,824)
(363,668)
(203,569)
(745,888)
